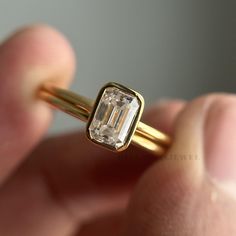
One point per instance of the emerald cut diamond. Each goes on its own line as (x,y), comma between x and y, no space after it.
(115,116)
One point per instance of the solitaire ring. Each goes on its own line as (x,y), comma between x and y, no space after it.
(113,119)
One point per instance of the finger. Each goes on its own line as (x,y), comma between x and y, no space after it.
(28,58)
(69,181)
(162,114)
(176,194)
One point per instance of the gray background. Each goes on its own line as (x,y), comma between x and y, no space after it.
(162,48)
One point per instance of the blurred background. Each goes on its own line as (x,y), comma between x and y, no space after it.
(161,48)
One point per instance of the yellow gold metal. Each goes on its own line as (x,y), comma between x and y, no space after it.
(149,145)
(143,135)
(67,101)
(153,134)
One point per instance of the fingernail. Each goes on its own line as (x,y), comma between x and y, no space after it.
(220,136)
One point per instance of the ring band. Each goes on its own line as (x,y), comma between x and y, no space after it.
(113,120)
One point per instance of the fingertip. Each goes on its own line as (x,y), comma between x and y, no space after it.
(38,53)
(28,58)
(31,56)
(163,113)
(178,188)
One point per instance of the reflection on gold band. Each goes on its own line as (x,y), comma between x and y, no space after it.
(80,107)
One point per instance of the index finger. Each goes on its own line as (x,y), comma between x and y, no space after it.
(29,57)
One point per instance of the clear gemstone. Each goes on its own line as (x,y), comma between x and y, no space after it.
(114,117)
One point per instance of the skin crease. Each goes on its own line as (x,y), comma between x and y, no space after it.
(66,186)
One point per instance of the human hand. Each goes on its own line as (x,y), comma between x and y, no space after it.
(66,186)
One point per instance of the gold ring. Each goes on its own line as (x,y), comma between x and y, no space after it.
(113,120)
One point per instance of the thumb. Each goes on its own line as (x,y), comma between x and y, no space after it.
(179,195)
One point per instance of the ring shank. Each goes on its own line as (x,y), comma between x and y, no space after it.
(151,139)
(80,107)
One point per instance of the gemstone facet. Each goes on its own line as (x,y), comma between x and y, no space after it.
(115,117)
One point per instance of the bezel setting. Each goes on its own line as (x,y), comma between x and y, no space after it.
(113,122)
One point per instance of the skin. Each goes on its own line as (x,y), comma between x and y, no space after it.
(66,186)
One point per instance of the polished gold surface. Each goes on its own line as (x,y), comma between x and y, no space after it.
(67,101)
(144,136)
